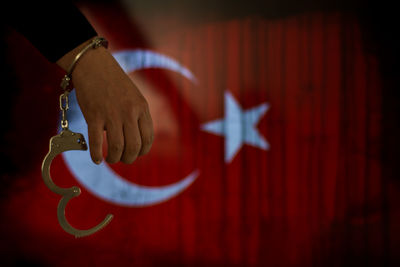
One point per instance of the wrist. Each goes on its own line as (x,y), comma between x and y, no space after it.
(65,61)
(93,63)
(77,55)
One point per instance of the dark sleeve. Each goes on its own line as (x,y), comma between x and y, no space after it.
(53,27)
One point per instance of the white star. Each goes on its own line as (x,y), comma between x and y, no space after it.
(239,127)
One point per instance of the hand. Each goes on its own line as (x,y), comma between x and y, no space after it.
(110,101)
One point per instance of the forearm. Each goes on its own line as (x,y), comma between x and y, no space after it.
(54,28)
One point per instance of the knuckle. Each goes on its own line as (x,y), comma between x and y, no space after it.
(128,159)
(148,140)
(142,106)
(133,148)
(133,110)
(115,148)
(136,145)
(128,108)
(131,114)
(112,158)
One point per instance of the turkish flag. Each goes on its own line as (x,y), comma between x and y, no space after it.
(266,150)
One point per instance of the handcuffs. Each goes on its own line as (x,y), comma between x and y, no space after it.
(67,140)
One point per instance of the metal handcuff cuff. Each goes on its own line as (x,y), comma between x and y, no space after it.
(67,140)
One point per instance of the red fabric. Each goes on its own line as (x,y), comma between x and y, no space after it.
(314,198)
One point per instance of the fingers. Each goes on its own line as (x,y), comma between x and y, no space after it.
(133,142)
(115,140)
(146,132)
(125,142)
(95,131)
(138,136)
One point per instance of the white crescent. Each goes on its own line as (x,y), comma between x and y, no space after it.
(101,180)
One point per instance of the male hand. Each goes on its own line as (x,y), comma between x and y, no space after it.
(110,101)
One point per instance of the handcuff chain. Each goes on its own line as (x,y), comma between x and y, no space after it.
(64,106)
